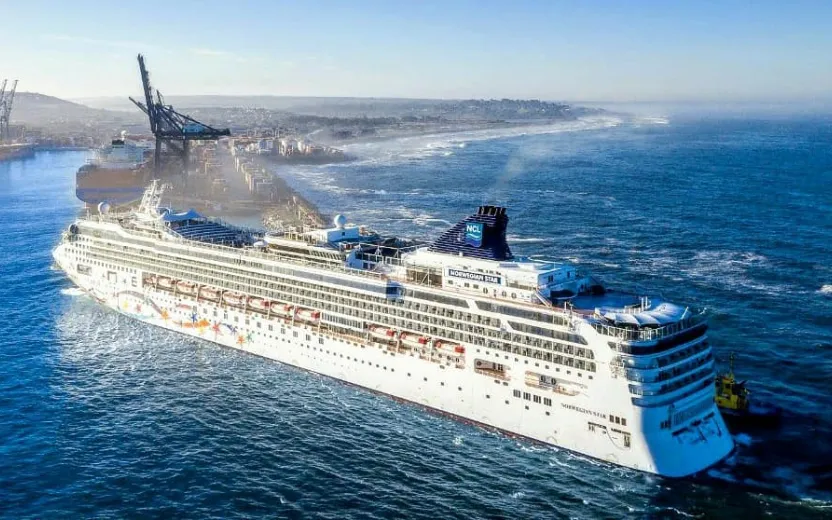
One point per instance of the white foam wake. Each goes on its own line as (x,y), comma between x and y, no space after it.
(442,144)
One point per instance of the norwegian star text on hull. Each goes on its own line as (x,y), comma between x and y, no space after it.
(460,325)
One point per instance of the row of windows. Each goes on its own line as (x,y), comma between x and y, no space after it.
(671,387)
(306,297)
(502,309)
(533,397)
(618,420)
(676,371)
(508,310)
(520,351)
(588,366)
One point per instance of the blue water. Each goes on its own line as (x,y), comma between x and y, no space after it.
(101,416)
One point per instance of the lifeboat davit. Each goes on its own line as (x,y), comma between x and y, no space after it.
(209,293)
(382,333)
(414,340)
(280,309)
(450,347)
(234,299)
(258,303)
(185,287)
(165,282)
(308,315)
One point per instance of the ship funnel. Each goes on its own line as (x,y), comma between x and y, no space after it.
(482,235)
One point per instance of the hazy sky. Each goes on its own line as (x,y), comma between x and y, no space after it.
(623,50)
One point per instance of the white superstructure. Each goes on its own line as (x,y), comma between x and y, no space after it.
(461,325)
(121,154)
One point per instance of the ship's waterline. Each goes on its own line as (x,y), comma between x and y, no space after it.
(462,326)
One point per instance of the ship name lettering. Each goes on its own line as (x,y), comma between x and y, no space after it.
(476,277)
(584,410)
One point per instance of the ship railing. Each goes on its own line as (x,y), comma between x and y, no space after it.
(648,334)
(644,304)
(273,256)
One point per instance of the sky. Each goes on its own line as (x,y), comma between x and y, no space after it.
(617,51)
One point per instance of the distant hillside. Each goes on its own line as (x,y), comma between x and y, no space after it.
(32,108)
(346,107)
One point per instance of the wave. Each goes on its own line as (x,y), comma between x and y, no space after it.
(72,291)
(826,289)
(515,239)
(418,147)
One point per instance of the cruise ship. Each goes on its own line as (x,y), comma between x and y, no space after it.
(116,174)
(460,325)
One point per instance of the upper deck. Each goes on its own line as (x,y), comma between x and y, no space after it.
(352,250)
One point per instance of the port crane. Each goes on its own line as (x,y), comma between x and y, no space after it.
(6,101)
(171,128)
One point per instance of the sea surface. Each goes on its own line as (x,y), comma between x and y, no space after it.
(104,417)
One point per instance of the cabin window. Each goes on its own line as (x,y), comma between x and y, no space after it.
(517,393)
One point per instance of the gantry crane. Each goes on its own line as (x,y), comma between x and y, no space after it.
(171,128)
(6,102)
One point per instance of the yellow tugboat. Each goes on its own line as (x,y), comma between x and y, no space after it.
(738,410)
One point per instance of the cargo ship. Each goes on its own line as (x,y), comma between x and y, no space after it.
(117,174)
(10,152)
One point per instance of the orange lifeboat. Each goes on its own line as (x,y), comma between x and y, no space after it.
(308,315)
(209,293)
(280,309)
(414,340)
(185,287)
(235,299)
(149,279)
(449,347)
(382,333)
(258,304)
(165,282)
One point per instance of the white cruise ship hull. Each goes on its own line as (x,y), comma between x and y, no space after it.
(581,422)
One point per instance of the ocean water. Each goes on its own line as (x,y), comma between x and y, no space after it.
(104,417)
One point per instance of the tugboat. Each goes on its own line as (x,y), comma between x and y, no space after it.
(738,409)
